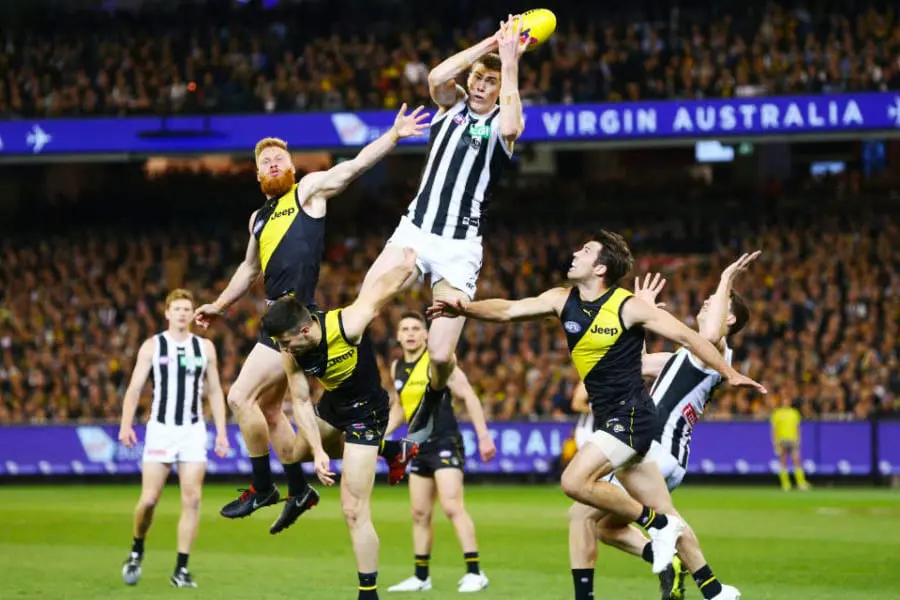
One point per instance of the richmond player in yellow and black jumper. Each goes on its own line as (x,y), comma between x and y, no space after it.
(335,348)
(287,241)
(438,467)
(604,326)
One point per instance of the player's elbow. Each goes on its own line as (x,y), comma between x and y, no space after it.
(509,132)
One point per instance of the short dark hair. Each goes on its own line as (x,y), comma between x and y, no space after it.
(615,254)
(286,315)
(412,314)
(740,311)
(490,61)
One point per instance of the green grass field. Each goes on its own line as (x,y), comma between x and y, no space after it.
(69,542)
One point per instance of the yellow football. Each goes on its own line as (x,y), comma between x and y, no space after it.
(537,26)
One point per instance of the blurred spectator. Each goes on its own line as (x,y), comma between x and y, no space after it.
(825,295)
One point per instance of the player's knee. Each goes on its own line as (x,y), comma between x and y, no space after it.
(421,515)
(238,399)
(190,498)
(453,508)
(149,500)
(579,513)
(355,513)
(439,352)
(571,483)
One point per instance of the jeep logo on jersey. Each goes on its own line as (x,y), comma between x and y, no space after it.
(596,329)
(339,359)
(283,213)
(480,131)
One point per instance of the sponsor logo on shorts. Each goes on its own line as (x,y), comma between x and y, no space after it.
(445,453)
(358,426)
(690,415)
(572,327)
(156,452)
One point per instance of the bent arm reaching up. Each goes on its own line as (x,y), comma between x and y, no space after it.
(325,185)
(637,312)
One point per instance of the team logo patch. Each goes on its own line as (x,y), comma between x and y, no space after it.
(480,131)
(572,327)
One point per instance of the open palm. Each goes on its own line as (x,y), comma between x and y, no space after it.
(412,124)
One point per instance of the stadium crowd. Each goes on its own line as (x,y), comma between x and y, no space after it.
(825,296)
(380,54)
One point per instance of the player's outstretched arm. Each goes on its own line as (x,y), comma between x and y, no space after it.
(216,398)
(305,415)
(356,317)
(637,312)
(496,310)
(511,47)
(461,388)
(324,185)
(712,327)
(243,279)
(442,78)
(133,393)
(652,364)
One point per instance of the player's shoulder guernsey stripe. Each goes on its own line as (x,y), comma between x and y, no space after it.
(347,371)
(410,381)
(681,392)
(291,247)
(464,159)
(178,370)
(606,354)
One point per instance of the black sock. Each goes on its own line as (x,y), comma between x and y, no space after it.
(262,473)
(647,554)
(368,589)
(182,561)
(649,519)
(390,449)
(137,546)
(472,565)
(422,562)
(584,583)
(296,479)
(707,582)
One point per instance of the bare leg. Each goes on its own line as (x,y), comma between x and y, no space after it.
(153,480)
(443,336)
(356,491)
(190,476)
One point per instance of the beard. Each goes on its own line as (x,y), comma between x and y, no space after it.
(276,187)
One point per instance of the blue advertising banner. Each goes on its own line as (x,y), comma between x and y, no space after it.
(725,448)
(623,121)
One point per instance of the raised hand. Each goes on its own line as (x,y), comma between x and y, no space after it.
(650,288)
(510,45)
(411,125)
(740,265)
